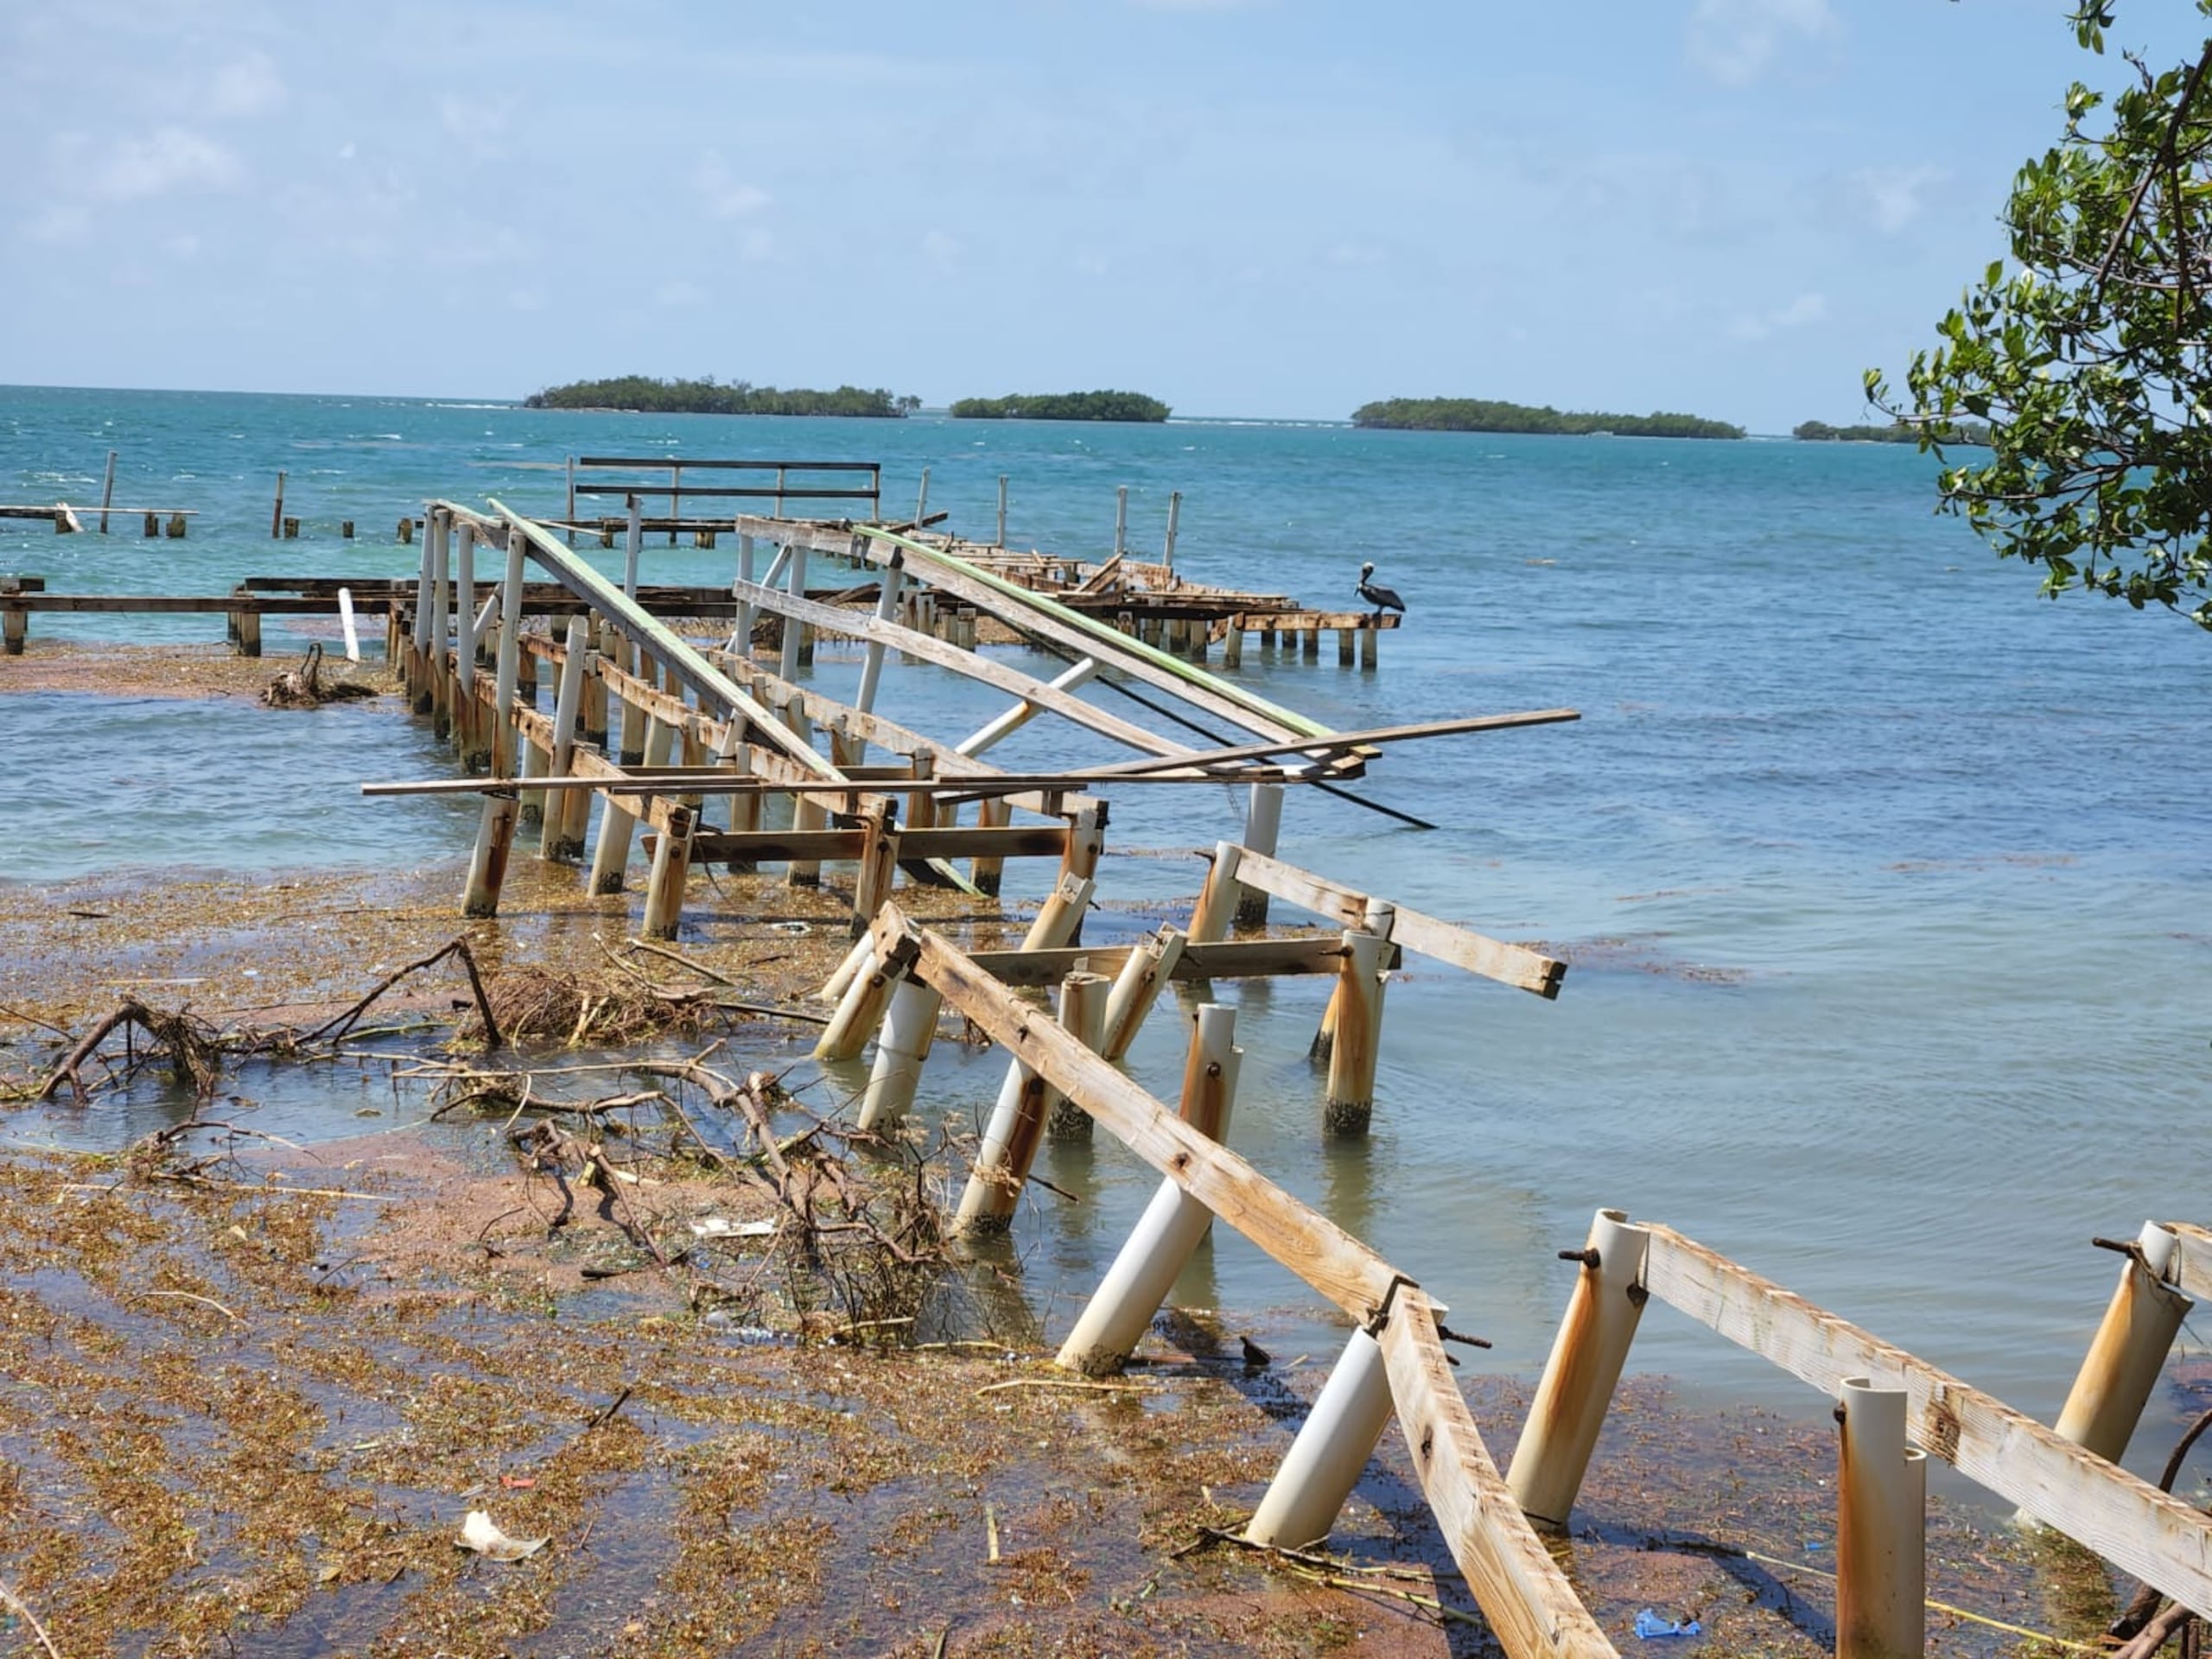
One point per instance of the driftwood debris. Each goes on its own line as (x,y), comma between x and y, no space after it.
(303,688)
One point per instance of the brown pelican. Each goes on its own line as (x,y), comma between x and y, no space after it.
(1383,599)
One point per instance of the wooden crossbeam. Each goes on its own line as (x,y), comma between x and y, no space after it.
(1240,959)
(862,624)
(2148,1533)
(783,846)
(2193,1260)
(1425,936)
(1532,1609)
(1339,742)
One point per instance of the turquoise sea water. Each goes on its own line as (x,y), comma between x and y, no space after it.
(1885,879)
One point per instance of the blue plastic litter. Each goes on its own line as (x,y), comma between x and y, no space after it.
(1652,1628)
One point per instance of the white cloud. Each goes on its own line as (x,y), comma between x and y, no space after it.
(250,87)
(479,124)
(167,159)
(679,294)
(1893,197)
(1735,40)
(1353,256)
(1801,313)
(721,193)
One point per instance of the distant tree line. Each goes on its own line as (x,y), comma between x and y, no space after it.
(1062,406)
(1488,415)
(710,396)
(1971,432)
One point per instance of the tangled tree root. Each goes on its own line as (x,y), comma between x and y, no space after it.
(192,1046)
(537,1002)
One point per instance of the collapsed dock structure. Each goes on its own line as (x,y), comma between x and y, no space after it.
(685,742)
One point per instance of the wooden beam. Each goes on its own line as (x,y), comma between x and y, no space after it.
(1244,959)
(2147,1534)
(1425,936)
(1033,613)
(862,625)
(1532,1609)
(771,846)
(2193,1259)
(1339,742)
(1307,1242)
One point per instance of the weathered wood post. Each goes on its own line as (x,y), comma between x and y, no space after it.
(1585,1368)
(736,754)
(461,697)
(556,840)
(276,513)
(671,864)
(107,491)
(594,715)
(1000,541)
(1345,647)
(1028,1110)
(1232,643)
(1174,512)
(1359,1036)
(617,824)
(418,647)
(153,526)
(992,813)
(176,525)
(1138,986)
(1263,829)
(922,500)
(1880,1519)
(1133,1289)
(1217,898)
(1324,1462)
(508,675)
(1121,519)
(15,620)
(1367,638)
(440,613)
(246,622)
(741,634)
(879,863)
(2129,1350)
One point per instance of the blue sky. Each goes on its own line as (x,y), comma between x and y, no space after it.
(1265,207)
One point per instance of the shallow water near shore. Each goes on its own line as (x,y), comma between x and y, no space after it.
(1884,879)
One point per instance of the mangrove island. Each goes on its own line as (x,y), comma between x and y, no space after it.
(710,396)
(1488,415)
(1892,432)
(1062,406)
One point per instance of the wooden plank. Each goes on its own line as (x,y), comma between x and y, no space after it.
(1028,841)
(1241,959)
(1338,742)
(2193,1260)
(2148,1533)
(1311,1246)
(759,491)
(1425,936)
(862,625)
(1532,1609)
(1034,614)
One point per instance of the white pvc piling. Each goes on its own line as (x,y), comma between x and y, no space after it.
(909,1028)
(988,736)
(886,609)
(1217,898)
(1881,1572)
(1331,1452)
(792,627)
(1133,1289)
(2129,1350)
(1585,1368)
(1263,828)
(1017,1124)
